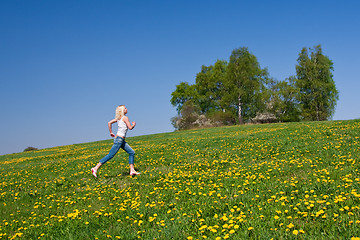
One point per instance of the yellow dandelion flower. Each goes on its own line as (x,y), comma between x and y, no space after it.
(290,225)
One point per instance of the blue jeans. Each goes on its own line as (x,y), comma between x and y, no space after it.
(119,143)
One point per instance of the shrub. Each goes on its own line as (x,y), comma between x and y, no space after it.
(30,149)
(264,118)
(220,118)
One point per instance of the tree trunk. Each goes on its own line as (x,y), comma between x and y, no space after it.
(240,110)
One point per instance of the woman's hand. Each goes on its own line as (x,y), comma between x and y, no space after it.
(112,134)
(133,124)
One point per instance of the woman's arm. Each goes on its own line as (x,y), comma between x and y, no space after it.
(109,126)
(127,122)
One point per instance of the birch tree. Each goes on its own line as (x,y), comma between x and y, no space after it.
(317,90)
(244,82)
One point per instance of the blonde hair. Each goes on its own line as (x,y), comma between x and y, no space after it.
(119,112)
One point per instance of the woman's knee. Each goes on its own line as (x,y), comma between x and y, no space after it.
(132,152)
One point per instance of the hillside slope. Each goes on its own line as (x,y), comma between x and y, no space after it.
(282,181)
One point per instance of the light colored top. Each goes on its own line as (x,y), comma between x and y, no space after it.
(122,128)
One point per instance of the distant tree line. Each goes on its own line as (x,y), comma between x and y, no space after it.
(239,91)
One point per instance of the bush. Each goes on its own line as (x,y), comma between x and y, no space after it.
(264,118)
(219,119)
(30,149)
(189,117)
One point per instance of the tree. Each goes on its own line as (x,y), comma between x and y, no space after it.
(244,83)
(209,86)
(183,93)
(317,90)
(284,103)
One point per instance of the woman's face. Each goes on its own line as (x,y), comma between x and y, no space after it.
(125,110)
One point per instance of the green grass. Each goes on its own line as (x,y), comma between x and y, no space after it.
(281,181)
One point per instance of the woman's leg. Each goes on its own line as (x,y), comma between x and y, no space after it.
(114,149)
(131,153)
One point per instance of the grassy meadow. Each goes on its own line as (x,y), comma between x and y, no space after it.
(280,181)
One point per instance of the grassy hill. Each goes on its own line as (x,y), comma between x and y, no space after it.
(281,181)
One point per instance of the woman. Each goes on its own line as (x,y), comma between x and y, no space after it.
(119,141)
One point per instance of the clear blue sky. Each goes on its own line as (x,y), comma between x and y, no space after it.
(65,65)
